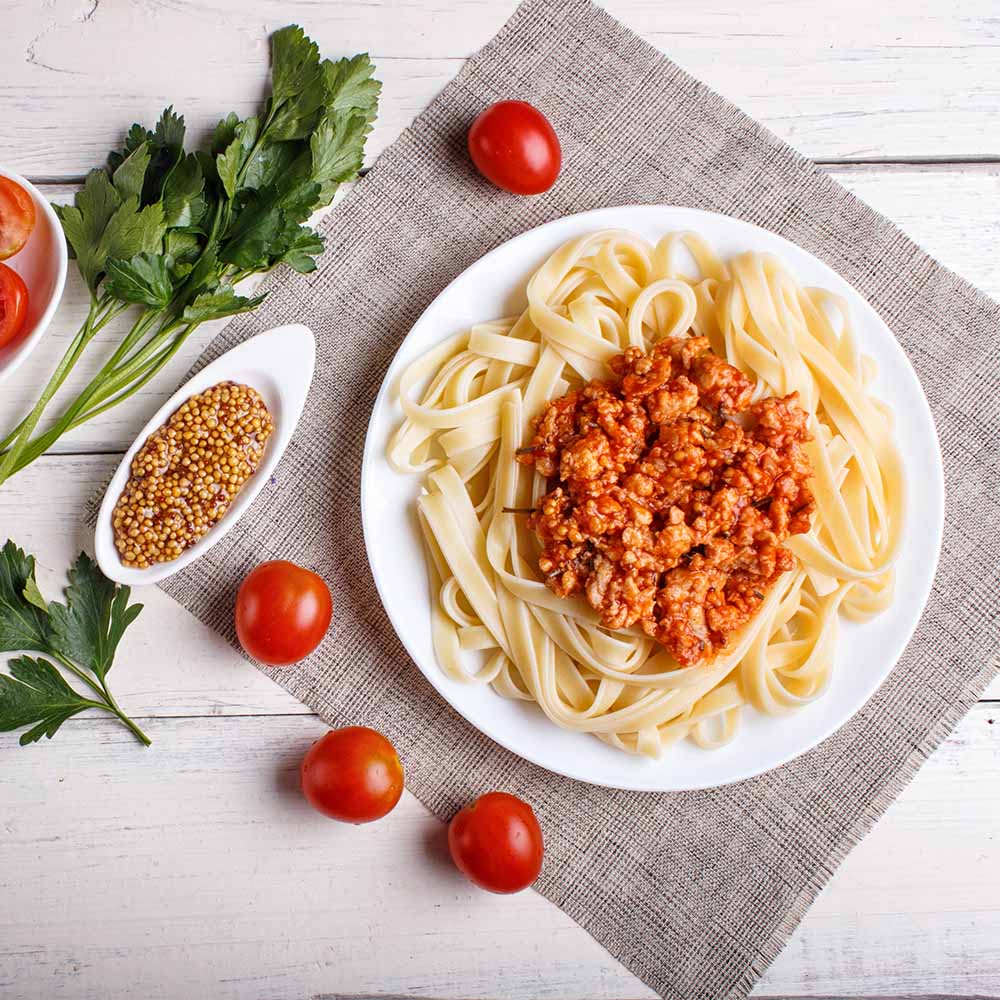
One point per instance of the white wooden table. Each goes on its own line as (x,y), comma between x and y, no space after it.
(195,869)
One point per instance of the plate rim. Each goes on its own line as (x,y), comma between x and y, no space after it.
(437,677)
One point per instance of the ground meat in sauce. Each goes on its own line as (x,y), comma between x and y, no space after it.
(670,495)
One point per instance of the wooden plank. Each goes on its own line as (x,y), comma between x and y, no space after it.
(954,212)
(200,871)
(854,79)
(915,908)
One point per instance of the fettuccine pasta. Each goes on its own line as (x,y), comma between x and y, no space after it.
(469,406)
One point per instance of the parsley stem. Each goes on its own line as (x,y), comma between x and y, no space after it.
(108,703)
(73,669)
(113,389)
(68,417)
(129,724)
(110,311)
(140,376)
(102,310)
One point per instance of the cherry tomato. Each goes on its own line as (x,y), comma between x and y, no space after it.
(282,612)
(17,217)
(513,145)
(497,843)
(13,304)
(353,775)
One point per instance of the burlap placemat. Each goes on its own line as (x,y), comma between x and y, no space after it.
(695,893)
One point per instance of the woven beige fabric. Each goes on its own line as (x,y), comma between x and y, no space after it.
(697,892)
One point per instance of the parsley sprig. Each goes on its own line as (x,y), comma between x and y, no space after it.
(80,636)
(173,233)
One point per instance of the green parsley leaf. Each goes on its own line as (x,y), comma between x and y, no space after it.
(294,63)
(130,231)
(273,161)
(35,692)
(352,88)
(85,221)
(224,133)
(222,302)
(23,622)
(230,163)
(183,198)
(34,596)
(181,251)
(169,131)
(303,251)
(129,176)
(297,117)
(202,277)
(101,225)
(89,626)
(166,144)
(137,135)
(144,279)
(338,149)
(182,247)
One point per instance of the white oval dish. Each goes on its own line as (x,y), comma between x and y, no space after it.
(279,365)
(41,263)
(494,286)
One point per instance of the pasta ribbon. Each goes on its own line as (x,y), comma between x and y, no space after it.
(468,406)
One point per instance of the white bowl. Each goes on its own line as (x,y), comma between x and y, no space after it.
(279,365)
(41,262)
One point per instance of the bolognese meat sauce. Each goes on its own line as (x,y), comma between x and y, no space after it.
(670,495)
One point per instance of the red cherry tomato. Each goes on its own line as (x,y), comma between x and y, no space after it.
(353,775)
(497,843)
(13,304)
(282,612)
(513,145)
(17,217)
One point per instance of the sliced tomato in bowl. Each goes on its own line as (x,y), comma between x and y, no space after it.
(17,217)
(13,304)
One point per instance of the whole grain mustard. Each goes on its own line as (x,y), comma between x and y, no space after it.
(188,472)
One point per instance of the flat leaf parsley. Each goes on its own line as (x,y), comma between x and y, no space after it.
(79,637)
(172,233)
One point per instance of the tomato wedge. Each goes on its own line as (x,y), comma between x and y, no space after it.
(17,217)
(13,304)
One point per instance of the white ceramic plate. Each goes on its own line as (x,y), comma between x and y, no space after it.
(279,365)
(41,262)
(494,286)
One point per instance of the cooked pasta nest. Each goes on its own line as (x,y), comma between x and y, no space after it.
(469,409)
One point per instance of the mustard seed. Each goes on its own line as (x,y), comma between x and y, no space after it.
(187,473)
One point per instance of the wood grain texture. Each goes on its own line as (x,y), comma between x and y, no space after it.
(852,79)
(952,211)
(194,869)
(225,884)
